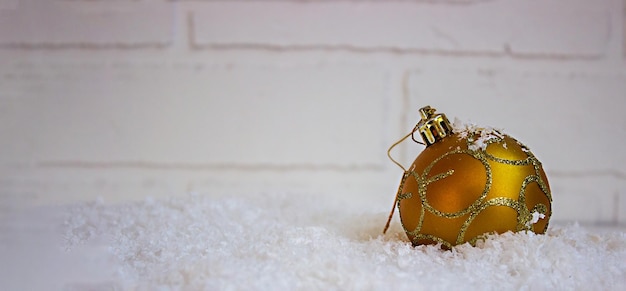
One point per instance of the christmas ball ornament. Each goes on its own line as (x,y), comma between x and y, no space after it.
(469,182)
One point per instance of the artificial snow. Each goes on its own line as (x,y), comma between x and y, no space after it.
(536,216)
(469,130)
(291,242)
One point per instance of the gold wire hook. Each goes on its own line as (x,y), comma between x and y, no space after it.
(393,207)
(400,141)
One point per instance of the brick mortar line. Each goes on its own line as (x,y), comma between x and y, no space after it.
(431,2)
(84,46)
(189,63)
(617,174)
(392,50)
(616,207)
(253,167)
(406,108)
(194,46)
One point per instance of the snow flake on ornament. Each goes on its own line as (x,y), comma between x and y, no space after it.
(470,130)
(536,216)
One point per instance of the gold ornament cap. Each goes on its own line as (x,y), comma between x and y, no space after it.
(433,127)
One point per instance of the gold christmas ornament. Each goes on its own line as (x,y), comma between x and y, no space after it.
(468,182)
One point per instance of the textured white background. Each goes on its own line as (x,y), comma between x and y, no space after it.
(126,99)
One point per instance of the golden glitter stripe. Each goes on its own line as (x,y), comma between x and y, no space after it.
(423,182)
(499,201)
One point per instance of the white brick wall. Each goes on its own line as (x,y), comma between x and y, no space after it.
(38,24)
(124,99)
(485,27)
(197,115)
